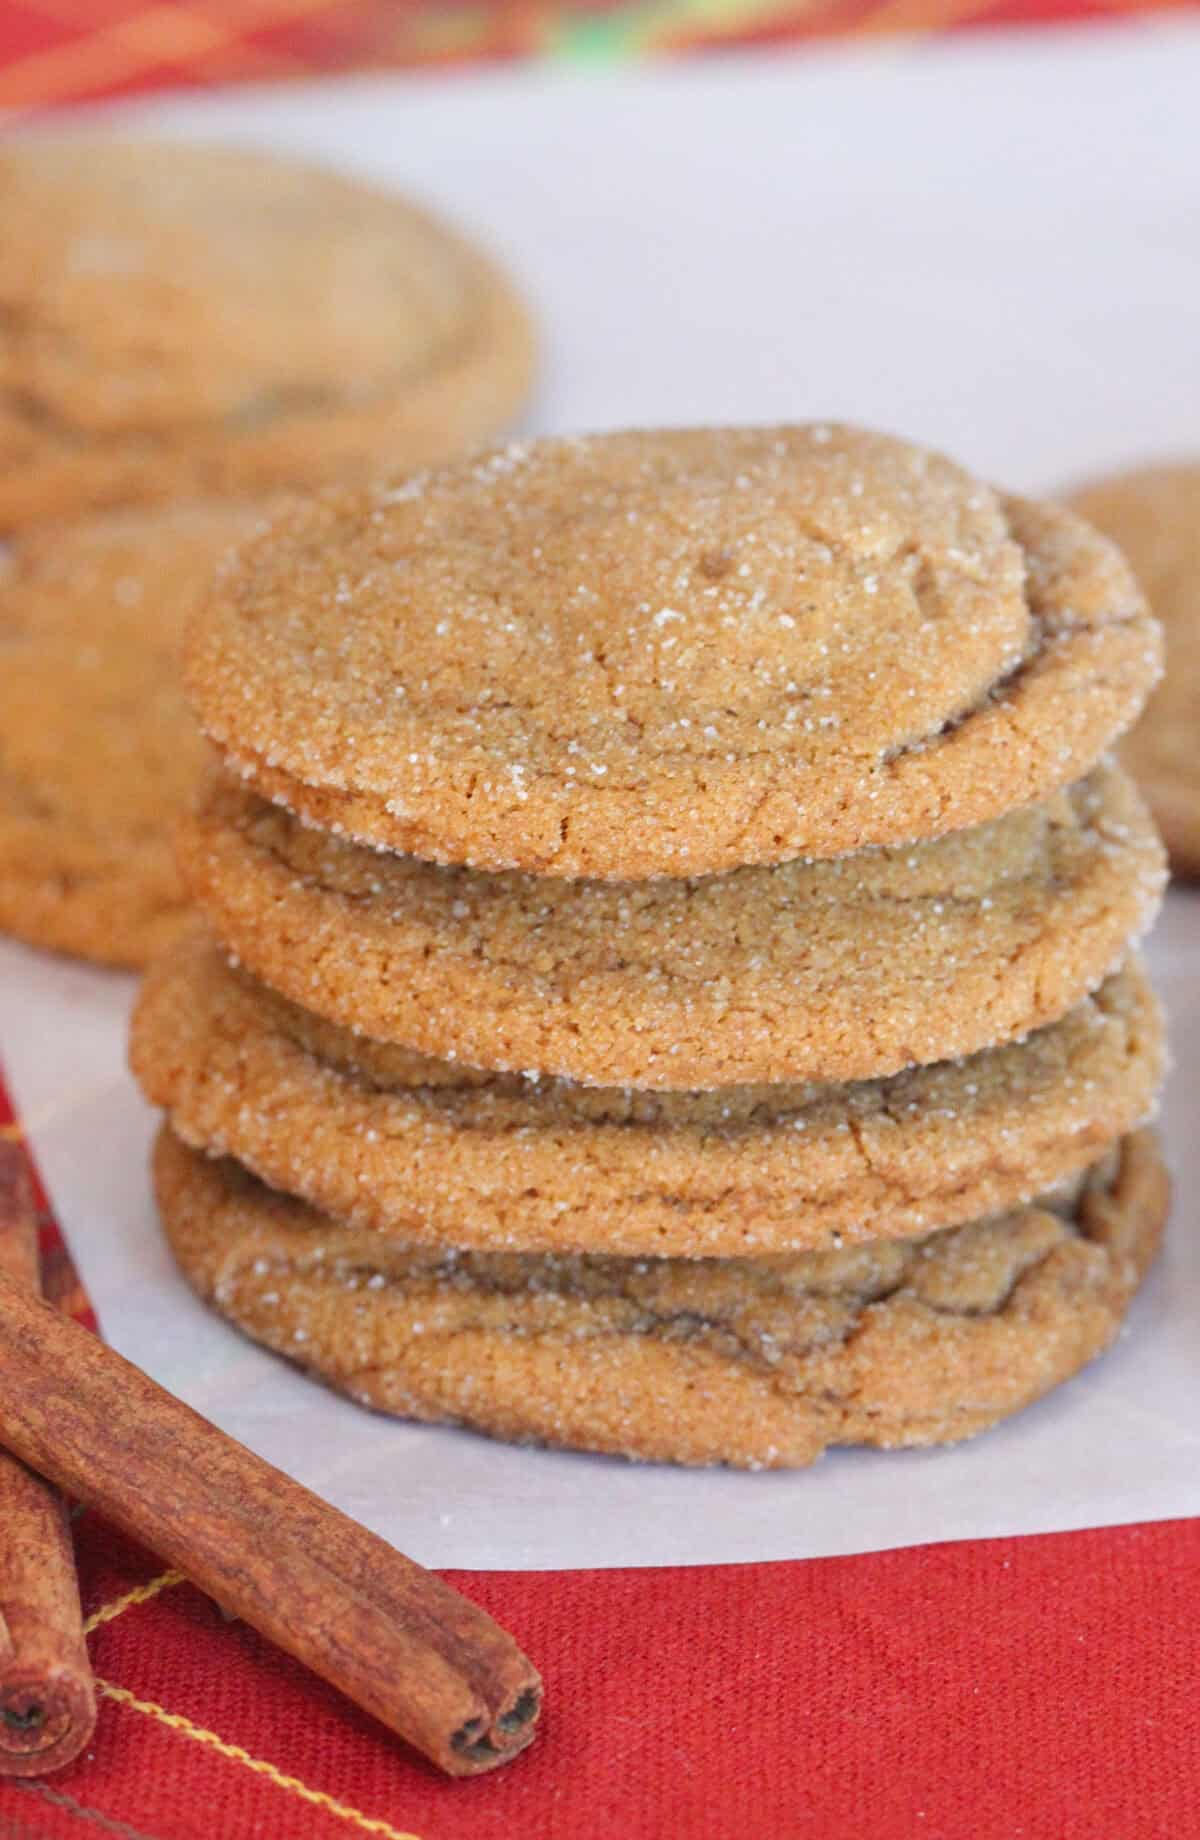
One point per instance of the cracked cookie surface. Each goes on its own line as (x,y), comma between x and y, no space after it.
(1154,515)
(755,1362)
(438,1154)
(98,749)
(179,319)
(839,970)
(671,653)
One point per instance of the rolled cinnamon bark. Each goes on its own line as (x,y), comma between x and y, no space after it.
(428,1663)
(47,1699)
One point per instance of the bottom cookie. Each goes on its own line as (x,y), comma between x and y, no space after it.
(760,1363)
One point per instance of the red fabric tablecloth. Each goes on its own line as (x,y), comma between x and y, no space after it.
(1030,1689)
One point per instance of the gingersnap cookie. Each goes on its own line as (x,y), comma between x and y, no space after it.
(671,654)
(840,970)
(430,1152)
(183,319)
(1154,514)
(98,750)
(762,1363)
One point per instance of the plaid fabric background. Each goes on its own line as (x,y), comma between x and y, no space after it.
(59,51)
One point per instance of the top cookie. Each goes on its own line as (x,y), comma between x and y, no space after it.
(671,653)
(1154,514)
(187,318)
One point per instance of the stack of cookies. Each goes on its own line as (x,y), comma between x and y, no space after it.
(670,984)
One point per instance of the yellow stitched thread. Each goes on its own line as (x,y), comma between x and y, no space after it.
(12,1134)
(141,1594)
(292,1784)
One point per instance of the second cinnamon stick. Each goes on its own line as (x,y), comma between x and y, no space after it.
(396,1639)
(47,1697)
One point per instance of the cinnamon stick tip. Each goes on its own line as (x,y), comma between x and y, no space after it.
(44,1723)
(479,1745)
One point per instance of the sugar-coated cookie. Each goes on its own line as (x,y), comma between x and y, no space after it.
(671,653)
(839,970)
(439,1155)
(761,1363)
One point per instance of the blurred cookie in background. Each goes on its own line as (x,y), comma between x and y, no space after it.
(1153,513)
(184,320)
(98,750)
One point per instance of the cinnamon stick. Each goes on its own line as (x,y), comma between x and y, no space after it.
(47,1698)
(397,1640)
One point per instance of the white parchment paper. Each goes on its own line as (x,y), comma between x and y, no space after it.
(992,245)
